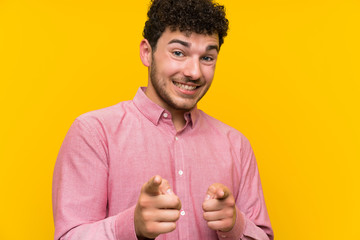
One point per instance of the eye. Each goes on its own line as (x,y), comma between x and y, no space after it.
(178,53)
(207,59)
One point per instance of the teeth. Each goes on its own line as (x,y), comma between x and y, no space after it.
(185,87)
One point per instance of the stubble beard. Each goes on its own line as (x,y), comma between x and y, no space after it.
(160,89)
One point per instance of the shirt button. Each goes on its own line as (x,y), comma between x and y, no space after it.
(182,213)
(181,172)
(165,115)
(223,236)
(176,138)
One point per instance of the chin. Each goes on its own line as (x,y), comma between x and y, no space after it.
(184,106)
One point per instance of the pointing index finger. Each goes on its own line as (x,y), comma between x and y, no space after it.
(217,191)
(152,187)
(222,193)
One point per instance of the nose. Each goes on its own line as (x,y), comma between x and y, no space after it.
(192,69)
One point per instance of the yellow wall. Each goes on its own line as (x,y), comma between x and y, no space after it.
(287,77)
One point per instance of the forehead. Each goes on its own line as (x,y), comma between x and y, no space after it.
(194,39)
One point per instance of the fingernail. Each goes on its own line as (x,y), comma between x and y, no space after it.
(222,193)
(169,191)
(207,197)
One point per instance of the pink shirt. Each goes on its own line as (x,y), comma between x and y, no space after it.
(108,154)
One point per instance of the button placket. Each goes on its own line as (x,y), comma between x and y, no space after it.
(180,177)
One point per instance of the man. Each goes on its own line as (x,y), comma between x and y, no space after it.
(156,166)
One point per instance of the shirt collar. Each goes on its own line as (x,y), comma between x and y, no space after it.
(153,112)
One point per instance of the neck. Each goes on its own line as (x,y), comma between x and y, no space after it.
(178,119)
(177,115)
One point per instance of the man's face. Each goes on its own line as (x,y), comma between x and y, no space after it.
(182,69)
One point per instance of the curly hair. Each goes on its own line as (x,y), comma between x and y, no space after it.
(199,16)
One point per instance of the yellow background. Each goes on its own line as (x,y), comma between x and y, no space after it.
(287,77)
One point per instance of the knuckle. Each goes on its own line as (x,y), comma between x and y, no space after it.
(150,228)
(230,202)
(147,228)
(174,201)
(143,202)
(205,206)
(227,224)
(229,212)
(147,216)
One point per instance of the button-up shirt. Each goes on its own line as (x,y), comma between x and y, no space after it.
(108,154)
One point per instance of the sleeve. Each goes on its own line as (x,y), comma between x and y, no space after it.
(79,190)
(252,219)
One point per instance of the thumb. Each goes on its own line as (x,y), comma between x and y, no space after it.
(152,187)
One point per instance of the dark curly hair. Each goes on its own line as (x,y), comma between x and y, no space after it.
(199,16)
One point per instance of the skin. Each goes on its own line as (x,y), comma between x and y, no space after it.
(181,70)
(157,209)
(179,58)
(219,208)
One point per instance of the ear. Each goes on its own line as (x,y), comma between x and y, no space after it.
(145,53)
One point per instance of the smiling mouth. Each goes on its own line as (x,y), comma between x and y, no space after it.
(184,86)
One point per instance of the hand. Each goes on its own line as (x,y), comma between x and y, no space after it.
(219,208)
(157,209)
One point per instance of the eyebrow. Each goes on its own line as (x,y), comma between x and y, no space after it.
(211,47)
(186,44)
